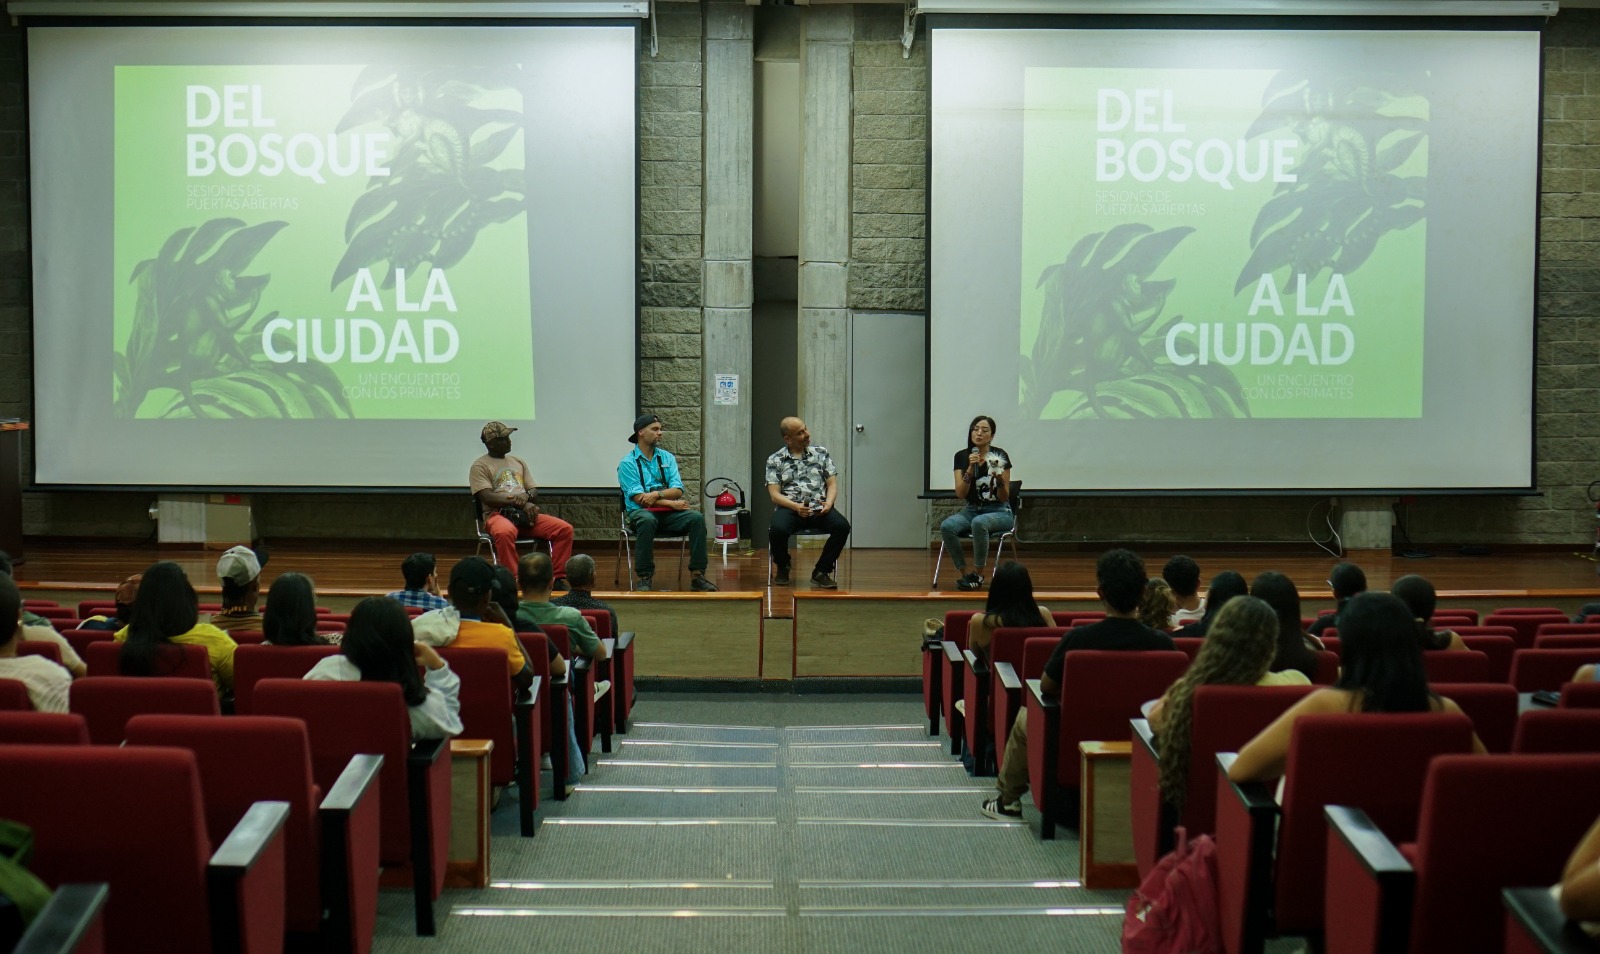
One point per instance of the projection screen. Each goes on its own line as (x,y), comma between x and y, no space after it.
(298,257)
(1235,259)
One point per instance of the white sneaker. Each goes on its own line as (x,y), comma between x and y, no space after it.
(961,706)
(600,688)
(545,763)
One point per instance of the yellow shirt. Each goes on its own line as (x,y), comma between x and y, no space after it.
(477,633)
(219,648)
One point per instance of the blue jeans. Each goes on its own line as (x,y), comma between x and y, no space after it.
(577,765)
(981,521)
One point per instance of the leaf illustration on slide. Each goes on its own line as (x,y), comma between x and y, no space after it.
(1100,303)
(1356,131)
(444,186)
(194,349)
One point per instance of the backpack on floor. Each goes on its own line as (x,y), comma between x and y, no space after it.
(1175,910)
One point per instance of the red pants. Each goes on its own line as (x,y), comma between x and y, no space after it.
(504,534)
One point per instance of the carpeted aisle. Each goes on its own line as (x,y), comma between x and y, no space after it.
(773,823)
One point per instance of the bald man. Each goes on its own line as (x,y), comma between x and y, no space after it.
(803,482)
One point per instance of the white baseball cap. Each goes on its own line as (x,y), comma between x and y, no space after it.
(240,565)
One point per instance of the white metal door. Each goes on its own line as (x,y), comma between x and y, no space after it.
(888,411)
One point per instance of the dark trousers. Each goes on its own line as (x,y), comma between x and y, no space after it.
(784,524)
(678,523)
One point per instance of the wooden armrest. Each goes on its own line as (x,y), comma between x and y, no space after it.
(1540,918)
(244,846)
(1007,675)
(624,641)
(1371,847)
(1144,736)
(66,921)
(360,774)
(1047,702)
(952,654)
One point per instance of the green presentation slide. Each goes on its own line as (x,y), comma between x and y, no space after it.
(321,241)
(1222,243)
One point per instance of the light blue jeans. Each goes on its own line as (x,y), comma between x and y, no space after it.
(577,765)
(981,521)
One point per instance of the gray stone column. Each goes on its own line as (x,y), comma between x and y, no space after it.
(729,203)
(824,345)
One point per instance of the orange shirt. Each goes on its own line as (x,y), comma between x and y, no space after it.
(475,632)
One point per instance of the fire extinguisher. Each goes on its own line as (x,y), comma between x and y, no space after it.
(726,508)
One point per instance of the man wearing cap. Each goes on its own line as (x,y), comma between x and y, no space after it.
(483,623)
(653,502)
(501,481)
(127,592)
(239,572)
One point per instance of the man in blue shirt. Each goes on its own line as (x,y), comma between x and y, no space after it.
(422,583)
(653,502)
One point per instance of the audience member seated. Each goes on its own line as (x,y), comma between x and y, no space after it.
(127,591)
(290,618)
(1183,575)
(1579,892)
(1346,580)
(482,622)
(536,572)
(1157,605)
(378,647)
(1296,650)
(239,573)
(167,612)
(422,583)
(1381,671)
(1119,580)
(1418,595)
(1589,673)
(580,577)
(37,628)
(1224,587)
(505,596)
(47,683)
(1010,603)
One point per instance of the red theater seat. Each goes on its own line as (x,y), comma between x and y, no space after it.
(1525,623)
(550,721)
(620,649)
(1533,670)
(43,728)
(1499,648)
(489,712)
(1492,707)
(108,702)
(104,658)
(34,647)
(1443,665)
(990,713)
(14,696)
(254,662)
(1558,732)
(1580,695)
(941,677)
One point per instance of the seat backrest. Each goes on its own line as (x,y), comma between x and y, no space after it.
(1580,695)
(42,728)
(108,702)
(1331,643)
(1224,719)
(1035,653)
(255,662)
(955,626)
(1533,670)
(1499,648)
(1567,641)
(486,705)
(79,639)
(1077,617)
(1558,732)
(1374,762)
(1101,690)
(1489,824)
(1443,665)
(183,662)
(1492,707)
(1007,643)
(244,760)
(1568,629)
(14,696)
(346,719)
(1525,624)
(1189,645)
(156,868)
(1327,668)
(1457,612)
(36,647)
(599,621)
(537,651)
(92,608)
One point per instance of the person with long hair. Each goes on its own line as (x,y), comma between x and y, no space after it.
(983,483)
(378,647)
(1224,587)
(1238,652)
(1295,649)
(290,618)
(1157,605)
(1419,596)
(1010,603)
(1382,672)
(166,613)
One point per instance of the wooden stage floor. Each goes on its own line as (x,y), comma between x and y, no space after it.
(345,572)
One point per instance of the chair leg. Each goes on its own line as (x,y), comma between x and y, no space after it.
(936,563)
(683,553)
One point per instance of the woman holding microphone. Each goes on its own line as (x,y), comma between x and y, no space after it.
(983,481)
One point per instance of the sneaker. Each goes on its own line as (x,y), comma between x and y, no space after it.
(1000,812)
(544,762)
(702,585)
(970,581)
(644,585)
(780,576)
(600,688)
(961,706)
(821,579)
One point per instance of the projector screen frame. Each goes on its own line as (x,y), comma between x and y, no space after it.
(1508,22)
(634,24)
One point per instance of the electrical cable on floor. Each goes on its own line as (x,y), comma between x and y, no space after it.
(1407,549)
(1322,544)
